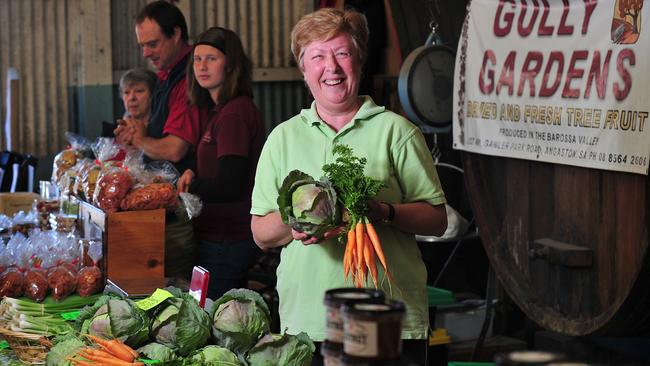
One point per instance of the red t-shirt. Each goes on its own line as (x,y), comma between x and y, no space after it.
(235,128)
(182,121)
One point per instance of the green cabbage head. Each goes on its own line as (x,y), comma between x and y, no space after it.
(156,351)
(180,324)
(212,356)
(240,317)
(308,205)
(282,349)
(59,355)
(117,318)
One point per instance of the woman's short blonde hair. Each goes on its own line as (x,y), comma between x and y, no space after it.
(325,24)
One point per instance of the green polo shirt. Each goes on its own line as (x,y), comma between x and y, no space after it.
(397,154)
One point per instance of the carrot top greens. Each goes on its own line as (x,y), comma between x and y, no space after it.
(353,187)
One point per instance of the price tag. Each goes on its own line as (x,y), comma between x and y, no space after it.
(148,362)
(70,315)
(154,300)
(4,345)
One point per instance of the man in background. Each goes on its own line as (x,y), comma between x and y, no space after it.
(174,128)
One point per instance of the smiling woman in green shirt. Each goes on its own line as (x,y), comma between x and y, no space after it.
(330,48)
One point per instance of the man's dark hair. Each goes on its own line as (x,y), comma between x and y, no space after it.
(167,16)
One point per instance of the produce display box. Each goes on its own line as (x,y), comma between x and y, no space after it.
(10,203)
(134,247)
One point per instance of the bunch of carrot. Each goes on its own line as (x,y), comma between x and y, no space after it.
(111,352)
(362,250)
(353,190)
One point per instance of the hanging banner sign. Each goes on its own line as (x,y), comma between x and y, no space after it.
(560,81)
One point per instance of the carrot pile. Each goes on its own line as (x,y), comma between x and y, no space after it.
(362,250)
(353,188)
(111,352)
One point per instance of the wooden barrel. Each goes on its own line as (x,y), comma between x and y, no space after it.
(569,244)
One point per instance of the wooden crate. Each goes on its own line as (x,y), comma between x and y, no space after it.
(10,203)
(134,247)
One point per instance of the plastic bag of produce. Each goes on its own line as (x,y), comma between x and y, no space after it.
(159,171)
(89,182)
(150,197)
(65,160)
(106,149)
(82,167)
(112,186)
(44,208)
(62,280)
(11,282)
(87,179)
(190,206)
(24,222)
(90,279)
(36,285)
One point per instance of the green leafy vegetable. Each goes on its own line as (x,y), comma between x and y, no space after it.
(282,349)
(112,317)
(240,317)
(49,306)
(353,187)
(67,348)
(87,312)
(308,205)
(44,325)
(212,356)
(181,324)
(158,352)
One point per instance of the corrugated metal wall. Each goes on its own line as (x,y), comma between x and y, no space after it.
(278,101)
(66,51)
(52,47)
(126,53)
(263,26)
(22,36)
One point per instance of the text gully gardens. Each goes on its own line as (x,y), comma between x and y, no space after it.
(556,81)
